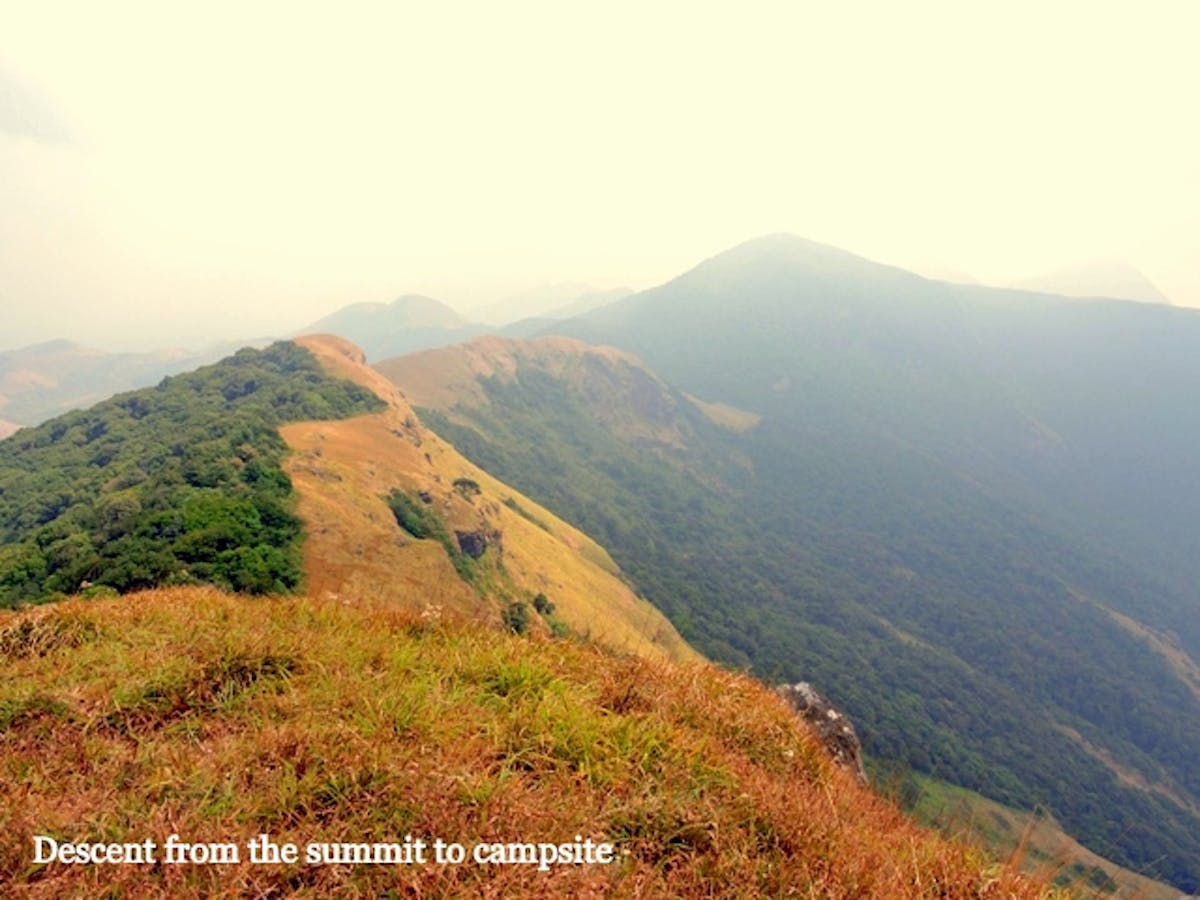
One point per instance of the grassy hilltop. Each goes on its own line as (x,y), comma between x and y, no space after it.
(214,717)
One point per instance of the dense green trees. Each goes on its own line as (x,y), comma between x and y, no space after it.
(177,483)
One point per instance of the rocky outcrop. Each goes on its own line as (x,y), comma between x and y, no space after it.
(830,725)
(474,543)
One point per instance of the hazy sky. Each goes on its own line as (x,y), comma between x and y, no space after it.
(246,168)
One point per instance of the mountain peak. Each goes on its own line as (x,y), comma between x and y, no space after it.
(424,311)
(782,255)
(409,322)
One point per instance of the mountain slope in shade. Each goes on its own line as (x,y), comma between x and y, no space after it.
(712,534)
(1115,280)
(410,322)
(1080,411)
(355,551)
(954,488)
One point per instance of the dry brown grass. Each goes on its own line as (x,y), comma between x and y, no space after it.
(448,376)
(218,718)
(355,552)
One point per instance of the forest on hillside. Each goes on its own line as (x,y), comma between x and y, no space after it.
(175,484)
(983,664)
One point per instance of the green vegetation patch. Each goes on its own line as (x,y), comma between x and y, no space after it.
(467,487)
(418,520)
(16,712)
(175,484)
(422,522)
(525,514)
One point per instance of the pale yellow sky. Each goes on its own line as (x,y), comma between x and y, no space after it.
(244,168)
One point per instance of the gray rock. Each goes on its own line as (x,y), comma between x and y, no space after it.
(473,543)
(831,726)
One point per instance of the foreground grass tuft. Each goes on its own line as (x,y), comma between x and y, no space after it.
(219,718)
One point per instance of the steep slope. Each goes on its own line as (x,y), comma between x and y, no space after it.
(410,322)
(352,731)
(930,519)
(596,436)
(1081,411)
(190,482)
(355,550)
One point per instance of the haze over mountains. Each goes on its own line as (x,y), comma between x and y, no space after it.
(1066,405)
(410,322)
(44,380)
(415,322)
(552,301)
(1111,279)
(969,514)
(40,381)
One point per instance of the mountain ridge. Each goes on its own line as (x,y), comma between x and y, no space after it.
(342,472)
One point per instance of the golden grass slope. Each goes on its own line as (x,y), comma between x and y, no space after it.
(218,718)
(447,375)
(354,551)
(620,390)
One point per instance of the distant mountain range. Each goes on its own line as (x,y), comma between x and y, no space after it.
(44,380)
(410,322)
(415,322)
(553,301)
(1115,280)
